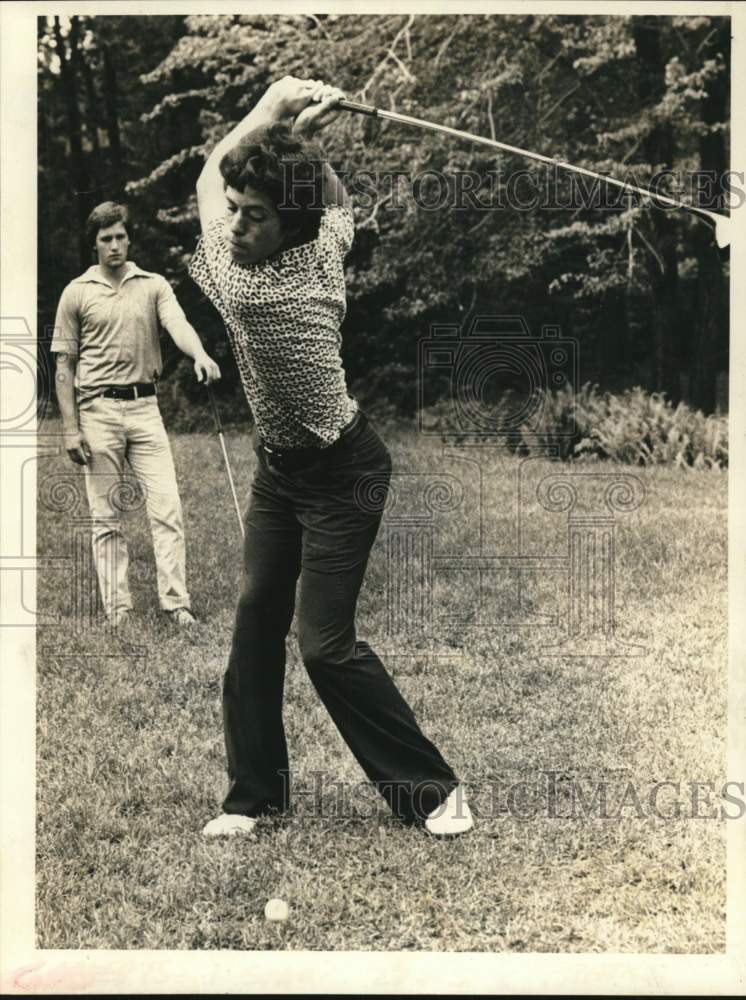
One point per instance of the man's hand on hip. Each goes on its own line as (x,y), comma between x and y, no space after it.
(206,369)
(77,447)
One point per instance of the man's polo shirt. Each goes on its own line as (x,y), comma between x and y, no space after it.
(113,333)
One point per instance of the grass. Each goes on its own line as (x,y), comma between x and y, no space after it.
(130,757)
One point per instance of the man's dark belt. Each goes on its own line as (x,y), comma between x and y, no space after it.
(136,390)
(291,459)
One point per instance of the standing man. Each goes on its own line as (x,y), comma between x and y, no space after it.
(107,359)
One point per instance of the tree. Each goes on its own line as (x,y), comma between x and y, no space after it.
(641,288)
(67,50)
(90,136)
(709,349)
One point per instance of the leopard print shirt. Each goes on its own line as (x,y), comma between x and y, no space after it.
(282,317)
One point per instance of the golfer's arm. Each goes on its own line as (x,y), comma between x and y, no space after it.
(210,195)
(334,191)
(64,385)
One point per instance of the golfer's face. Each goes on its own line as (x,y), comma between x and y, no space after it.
(112,245)
(252,226)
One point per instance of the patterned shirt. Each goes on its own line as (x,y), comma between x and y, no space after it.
(283,316)
(113,333)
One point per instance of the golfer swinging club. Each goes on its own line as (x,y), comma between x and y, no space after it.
(276,225)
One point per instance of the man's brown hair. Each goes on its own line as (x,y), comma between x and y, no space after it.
(108,213)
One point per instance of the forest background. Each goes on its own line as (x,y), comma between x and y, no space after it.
(446,231)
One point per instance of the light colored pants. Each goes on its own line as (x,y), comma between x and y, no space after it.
(132,429)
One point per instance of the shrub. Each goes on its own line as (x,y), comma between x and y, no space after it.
(636,427)
(643,428)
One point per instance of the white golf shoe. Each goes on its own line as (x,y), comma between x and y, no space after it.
(452,817)
(227,825)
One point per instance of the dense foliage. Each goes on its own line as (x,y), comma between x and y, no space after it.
(634,427)
(643,290)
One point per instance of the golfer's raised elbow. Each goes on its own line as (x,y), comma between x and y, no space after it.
(334,191)
(206,180)
(210,194)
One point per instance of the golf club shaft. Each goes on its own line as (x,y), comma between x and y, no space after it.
(367,109)
(219,428)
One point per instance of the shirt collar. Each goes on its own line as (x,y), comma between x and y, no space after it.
(94,274)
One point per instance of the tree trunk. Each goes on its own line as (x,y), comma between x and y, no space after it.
(78,174)
(710,335)
(91,98)
(658,149)
(112,122)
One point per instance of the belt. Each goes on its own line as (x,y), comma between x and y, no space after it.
(136,390)
(299,458)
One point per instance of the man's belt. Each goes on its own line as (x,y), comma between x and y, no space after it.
(136,390)
(299,458)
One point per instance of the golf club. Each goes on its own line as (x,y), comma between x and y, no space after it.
(721,223)
(219,428)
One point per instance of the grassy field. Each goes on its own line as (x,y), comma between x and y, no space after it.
(130,752)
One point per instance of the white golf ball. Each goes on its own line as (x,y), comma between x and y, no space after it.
(276,909)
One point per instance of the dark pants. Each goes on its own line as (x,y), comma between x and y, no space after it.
(319,524)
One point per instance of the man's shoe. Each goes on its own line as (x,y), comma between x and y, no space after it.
(119,619)
(452,817)
(228,825)
(182,616)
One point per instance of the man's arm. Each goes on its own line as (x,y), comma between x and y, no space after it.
(66,348)
(334,189)
(282,100)
(76,445)
(313,119)
(172,319)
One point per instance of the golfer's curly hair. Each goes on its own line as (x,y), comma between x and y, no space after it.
(108,213)
(287,169)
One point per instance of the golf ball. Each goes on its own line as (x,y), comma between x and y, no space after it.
(276,909)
